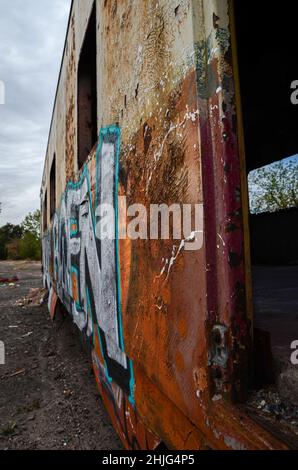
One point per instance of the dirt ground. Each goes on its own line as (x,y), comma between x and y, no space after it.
(48,395)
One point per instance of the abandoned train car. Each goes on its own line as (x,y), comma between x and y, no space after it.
(148,108)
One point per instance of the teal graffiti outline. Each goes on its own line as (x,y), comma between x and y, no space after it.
(72,185)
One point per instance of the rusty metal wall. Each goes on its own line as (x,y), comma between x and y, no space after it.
(167,113)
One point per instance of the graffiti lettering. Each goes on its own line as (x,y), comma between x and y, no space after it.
(86,268)
(46,257)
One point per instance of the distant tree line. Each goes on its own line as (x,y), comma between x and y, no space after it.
(275,187)
(18,242)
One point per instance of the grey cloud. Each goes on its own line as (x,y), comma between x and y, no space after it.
(32,36)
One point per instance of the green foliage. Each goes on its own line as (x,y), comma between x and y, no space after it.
(13,249)
(3,249)
(11,232)
(274,187)
(21,241)
(31,224)
(30,247)
(8,234)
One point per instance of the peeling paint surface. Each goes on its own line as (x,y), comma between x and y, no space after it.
(168,327)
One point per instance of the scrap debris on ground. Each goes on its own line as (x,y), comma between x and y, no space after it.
(48,396)
(35,298)
(8,280)
(268,404)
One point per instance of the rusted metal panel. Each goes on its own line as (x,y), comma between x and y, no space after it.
(170,331)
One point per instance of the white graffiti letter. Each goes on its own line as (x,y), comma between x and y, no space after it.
(105,227)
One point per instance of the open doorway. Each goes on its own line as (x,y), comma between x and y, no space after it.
(268,68)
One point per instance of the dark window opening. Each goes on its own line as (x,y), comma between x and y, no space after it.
(268,66)
(53,188)
(87,93)
(45,212)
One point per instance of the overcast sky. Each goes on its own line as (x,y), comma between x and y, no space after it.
(32,34)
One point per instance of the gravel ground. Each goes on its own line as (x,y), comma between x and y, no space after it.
(280,414)
(48,396)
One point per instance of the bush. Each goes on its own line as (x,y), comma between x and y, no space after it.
(13,249)
(30,247)
(21,241)
(9,238)
(3,249)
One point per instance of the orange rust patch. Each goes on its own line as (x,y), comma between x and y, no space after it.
(182,328)
(70,111)
(75,290)
(179,361)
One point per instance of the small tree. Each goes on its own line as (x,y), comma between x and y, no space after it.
(274,187)
(30,246)
(21,241)
(3,248)
(31,224)
(11,232)
(8,234)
